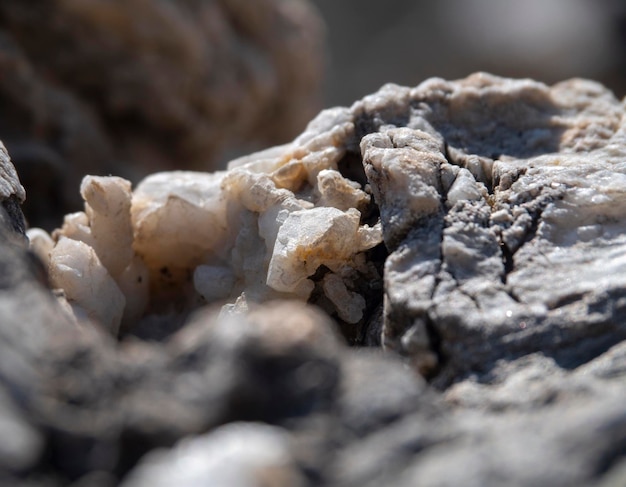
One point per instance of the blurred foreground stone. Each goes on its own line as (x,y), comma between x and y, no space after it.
(500,206)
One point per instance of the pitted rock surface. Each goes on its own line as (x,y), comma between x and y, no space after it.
(12,195)
(501,203)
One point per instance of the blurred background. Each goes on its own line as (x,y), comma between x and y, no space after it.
(130,87)
(406,41)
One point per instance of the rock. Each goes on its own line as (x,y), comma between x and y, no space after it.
(187,84)
(511,178)
(102,407)
(12,195)
(239,454)
(96,245)
(495,207)
(531,405)
(480,184)
(279,360)
(32,324)
(72,263)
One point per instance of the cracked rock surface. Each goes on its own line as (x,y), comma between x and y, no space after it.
(474,229)
(501,203)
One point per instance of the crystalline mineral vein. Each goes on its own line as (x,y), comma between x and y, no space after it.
(499,201)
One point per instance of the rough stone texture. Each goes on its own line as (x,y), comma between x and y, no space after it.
(510,220)
(500,203)
(131,87)
(12,195)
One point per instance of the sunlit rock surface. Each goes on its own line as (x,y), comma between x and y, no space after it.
(280,224)
(511,236)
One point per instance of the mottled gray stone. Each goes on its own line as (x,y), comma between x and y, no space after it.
(501,203)
(12,195)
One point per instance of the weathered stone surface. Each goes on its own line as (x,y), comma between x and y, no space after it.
(133,87)
(495,206)
(12,195)
(502,246)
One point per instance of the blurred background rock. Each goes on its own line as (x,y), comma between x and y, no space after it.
(130,87)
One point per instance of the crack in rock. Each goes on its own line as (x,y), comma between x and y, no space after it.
(501,253)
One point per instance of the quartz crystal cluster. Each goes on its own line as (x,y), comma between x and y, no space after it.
(284,223)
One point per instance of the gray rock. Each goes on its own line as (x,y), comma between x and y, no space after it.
(31,323)
(12,195)
(501,204)
(92,406)
(529,423)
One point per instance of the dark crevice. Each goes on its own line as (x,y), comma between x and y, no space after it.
(364,125)
(487,181)
(616,454)
(369,122)
(371,289)
(507,261)
(534,208)
(436,346)
(351,167)
(444,194)
(513,295)
(567,300)
(508,179)
(531,231)
(470,296)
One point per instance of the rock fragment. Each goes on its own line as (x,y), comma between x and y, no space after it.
(76,268)
(239,454)
(265,229)
(12,195)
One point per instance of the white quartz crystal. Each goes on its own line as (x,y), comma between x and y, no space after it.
(75,267)
(40,243)
(93,260)
(308,239)
(107,205)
